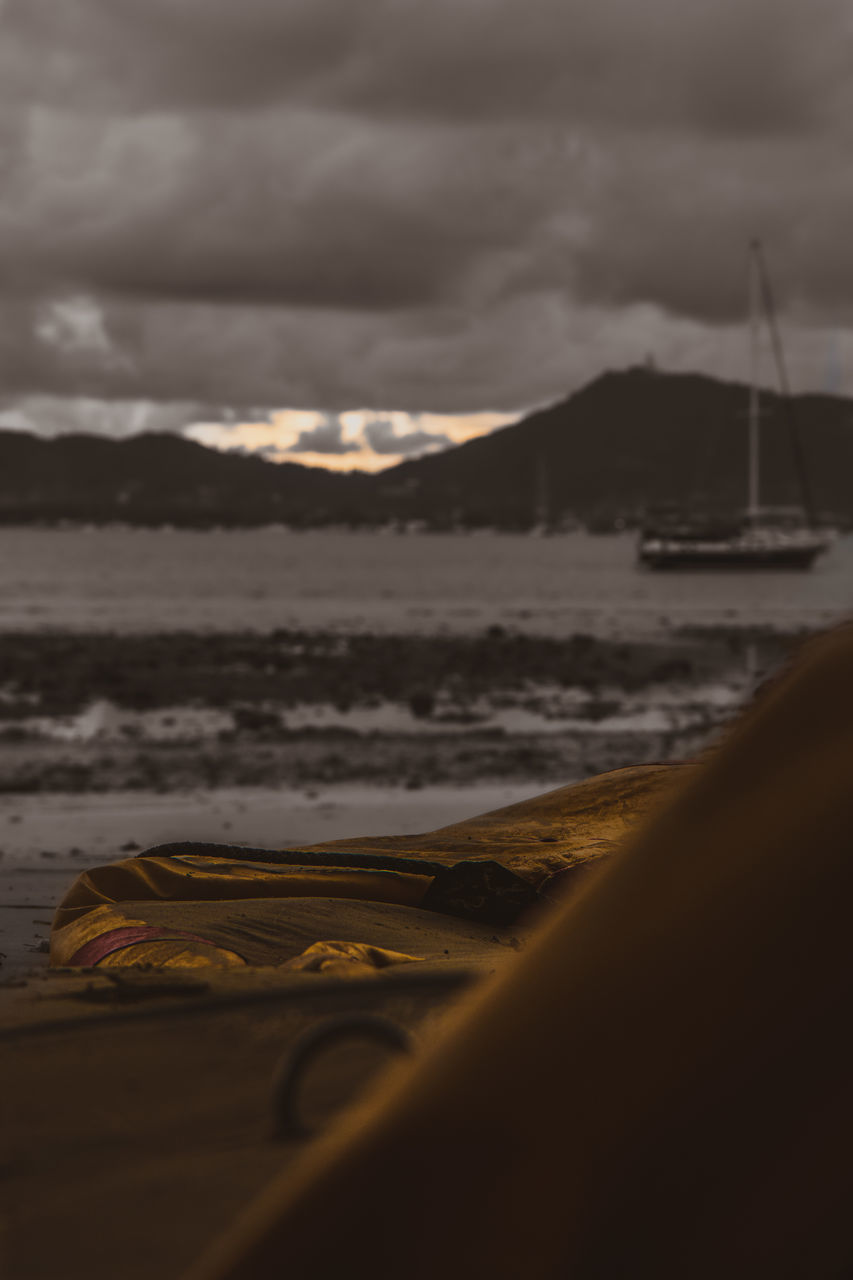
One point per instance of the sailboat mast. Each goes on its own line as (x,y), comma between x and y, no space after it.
(766,294)
(753,503)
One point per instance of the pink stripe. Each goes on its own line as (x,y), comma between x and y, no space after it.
(93,951)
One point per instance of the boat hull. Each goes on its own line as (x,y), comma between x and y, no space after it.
(791,558)
(751,548)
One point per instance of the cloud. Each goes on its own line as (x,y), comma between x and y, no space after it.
(443,206)
(450,59)
(383,437)
(52,416)
(301,210)
(326,437)
(114,55)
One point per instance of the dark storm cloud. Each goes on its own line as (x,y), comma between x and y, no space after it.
(381,437)
(440,205)
(751,187)
(296,210)
(326,437)
(126,55)
(450,58)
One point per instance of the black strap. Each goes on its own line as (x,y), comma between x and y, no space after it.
(473,888)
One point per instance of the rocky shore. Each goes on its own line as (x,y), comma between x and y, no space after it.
(173,711)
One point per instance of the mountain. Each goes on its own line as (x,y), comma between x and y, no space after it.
(626,442)
(161,478)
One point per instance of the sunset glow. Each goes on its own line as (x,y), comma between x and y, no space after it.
(355,440)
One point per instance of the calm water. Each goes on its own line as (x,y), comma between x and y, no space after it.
(138,580)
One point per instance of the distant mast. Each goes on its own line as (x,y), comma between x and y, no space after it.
(542,496)
(766,295)
(754,285)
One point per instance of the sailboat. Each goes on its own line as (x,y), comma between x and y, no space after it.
(760,539)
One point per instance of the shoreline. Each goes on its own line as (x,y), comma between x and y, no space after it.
(59,672)
(169,712)
(210,618)
(313,763)
(241,767)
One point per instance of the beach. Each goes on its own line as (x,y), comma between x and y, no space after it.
(268,687)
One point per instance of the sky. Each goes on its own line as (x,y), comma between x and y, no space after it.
(350,233)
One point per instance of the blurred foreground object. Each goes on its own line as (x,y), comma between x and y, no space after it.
(661,1085)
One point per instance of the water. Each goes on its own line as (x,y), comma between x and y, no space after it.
(537,709)
(145,580)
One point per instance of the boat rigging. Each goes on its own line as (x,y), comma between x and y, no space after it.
(757,540)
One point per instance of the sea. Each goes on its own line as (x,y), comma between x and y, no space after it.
(130,580)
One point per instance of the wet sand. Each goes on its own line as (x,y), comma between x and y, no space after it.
(109,744)
(172,711)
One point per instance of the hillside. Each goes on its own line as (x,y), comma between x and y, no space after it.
(623,444)
(627,442)
(160,478)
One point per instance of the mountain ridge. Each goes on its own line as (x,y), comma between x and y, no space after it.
(637,438)
(625,442)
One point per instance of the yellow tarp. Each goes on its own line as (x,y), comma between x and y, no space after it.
(196,905)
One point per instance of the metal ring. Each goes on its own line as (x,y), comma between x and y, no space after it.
(289,1074)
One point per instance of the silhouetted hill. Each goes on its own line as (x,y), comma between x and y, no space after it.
(161,478)
(627,442)
(624,443)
